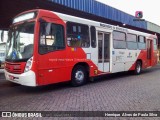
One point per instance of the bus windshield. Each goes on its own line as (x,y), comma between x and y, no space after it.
(20,42)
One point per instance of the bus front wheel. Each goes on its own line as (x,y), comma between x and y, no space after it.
(138,68)
(79,76)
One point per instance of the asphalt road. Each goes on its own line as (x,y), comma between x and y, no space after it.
(116,92)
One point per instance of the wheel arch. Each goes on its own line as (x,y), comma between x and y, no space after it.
(140,60)
(84,64)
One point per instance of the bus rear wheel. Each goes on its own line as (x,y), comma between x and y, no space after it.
(79,76)
(138,68)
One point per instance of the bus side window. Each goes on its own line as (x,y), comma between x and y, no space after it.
(141,42)
(119,40)
(93,37)
(77,35)
(132,41)
(155,44)
(51,37)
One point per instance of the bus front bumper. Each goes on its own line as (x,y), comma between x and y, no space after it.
(26,79)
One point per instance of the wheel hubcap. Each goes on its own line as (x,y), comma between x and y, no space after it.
(138,68)
(79,76)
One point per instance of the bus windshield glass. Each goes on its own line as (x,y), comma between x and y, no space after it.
(20,42)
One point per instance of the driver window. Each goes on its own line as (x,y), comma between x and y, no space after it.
(51,38)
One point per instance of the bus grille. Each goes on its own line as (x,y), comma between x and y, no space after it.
(14,68)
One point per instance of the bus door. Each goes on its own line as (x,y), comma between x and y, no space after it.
(51,51)
(149,52)
(104,51)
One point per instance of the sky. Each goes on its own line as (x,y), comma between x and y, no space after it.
(150,8)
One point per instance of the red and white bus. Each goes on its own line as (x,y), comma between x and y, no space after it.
(46,47)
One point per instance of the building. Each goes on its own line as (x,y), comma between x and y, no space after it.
(2,54)
(89,9)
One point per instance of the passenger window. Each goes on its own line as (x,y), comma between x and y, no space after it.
(119,40)
(77,35)
(93,37)
(131,41)
(141,42)
(155,44)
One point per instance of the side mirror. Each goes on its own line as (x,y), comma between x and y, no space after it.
(2,36)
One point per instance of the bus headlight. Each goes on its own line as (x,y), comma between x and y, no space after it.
(28,64)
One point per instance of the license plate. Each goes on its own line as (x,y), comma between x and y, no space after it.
(11,77)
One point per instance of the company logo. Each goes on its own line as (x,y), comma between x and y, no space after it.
(6,114)
(21,114)
(138,16)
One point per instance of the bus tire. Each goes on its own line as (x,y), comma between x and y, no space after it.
(79,76)
(138,68)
